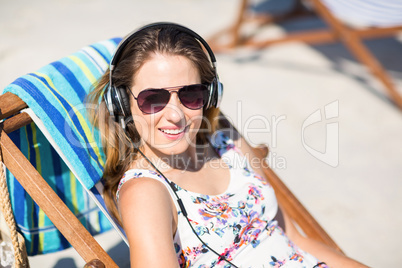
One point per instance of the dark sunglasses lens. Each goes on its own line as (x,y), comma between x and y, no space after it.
(194,96)
(153,100)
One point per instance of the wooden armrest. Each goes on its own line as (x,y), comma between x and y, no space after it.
(261,151)
(287,200)
(297,212)
(10,104)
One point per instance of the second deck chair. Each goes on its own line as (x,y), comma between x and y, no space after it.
(53,99)
(380,19)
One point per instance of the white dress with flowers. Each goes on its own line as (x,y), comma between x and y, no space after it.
(238,223)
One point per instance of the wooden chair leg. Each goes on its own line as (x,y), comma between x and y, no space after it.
(235,30)
(360,51)
(232,32)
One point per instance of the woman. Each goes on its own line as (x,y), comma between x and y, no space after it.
(181,188)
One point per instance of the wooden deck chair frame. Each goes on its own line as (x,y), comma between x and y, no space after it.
(337,31)
(40,191)
(71,228)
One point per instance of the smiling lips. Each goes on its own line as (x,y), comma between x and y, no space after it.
(173,132)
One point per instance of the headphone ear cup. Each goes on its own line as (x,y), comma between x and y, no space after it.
(117,102)
(219,93)
(124,102)
(211,92)
(215,93)
(107,97)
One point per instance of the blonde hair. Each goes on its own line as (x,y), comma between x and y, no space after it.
(116,142)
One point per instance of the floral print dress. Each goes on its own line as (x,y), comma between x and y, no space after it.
(238,224)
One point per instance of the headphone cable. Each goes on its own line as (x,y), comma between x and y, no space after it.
(184,212)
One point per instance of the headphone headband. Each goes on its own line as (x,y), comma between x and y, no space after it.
(116,99)
(182,28)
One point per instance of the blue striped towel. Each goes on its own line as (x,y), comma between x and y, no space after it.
(56,95)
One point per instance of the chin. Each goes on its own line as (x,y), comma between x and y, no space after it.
(173,148)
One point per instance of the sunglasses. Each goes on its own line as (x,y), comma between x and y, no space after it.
(153,100)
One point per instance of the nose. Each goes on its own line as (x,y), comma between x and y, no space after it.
(174,108)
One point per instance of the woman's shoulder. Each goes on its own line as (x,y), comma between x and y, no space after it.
(142,186)
(135,173)
(143,179)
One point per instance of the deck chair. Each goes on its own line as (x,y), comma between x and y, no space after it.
(55,155)
(47,106)
(382,19)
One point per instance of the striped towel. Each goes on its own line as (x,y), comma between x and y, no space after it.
(56,94)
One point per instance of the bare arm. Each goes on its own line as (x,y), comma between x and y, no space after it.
(147,215)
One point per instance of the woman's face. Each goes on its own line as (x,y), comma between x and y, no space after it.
(172,130)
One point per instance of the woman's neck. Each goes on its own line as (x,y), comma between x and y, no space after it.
(193,159)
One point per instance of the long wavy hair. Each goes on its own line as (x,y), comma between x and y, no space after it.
(116,142)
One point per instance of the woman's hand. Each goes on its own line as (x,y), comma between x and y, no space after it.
(147,213)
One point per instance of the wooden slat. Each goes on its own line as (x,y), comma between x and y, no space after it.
(311,37)
(10,104)
(51,204)
(377,32)
(16,122)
